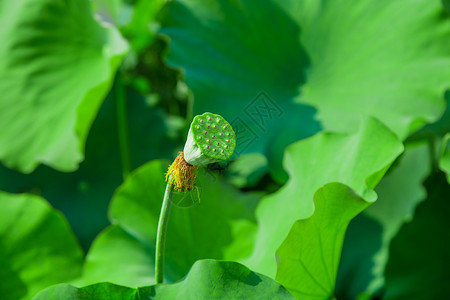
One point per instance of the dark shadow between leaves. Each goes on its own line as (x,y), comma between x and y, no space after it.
(362,241)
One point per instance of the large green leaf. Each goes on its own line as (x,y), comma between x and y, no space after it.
(418,264)
(207,279)
(308,259)
(363,260)
(388,59)
(223,216)
(358,160)
(37,248)
(242,59)
(56,67)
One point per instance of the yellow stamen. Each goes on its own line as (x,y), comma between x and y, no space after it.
(181,175)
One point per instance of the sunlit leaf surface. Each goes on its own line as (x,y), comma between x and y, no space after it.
(358,160)
(57,64)
(37,247)
(309,257)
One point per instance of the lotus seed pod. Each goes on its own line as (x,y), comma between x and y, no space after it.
(210,139)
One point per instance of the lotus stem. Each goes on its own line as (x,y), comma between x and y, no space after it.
(210,139)
(161,234)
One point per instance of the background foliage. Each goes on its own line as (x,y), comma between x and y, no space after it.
(339,185)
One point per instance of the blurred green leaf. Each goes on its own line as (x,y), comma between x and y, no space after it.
(243,61)
(247,169)
(444,162)
(37,247)
(388,59)
(88,191)
(108,10)
(57,66)
(358,160)
(135,19)
(363,261)
(224,216)
(446,4)
(308,259)
(141,29)
(418,264)
(364,296)
(207,279)
(116,256)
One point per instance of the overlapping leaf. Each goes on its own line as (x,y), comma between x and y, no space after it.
(358,160)
(309,257)
(366,248)
(37,248)
(57,64)
(207,279)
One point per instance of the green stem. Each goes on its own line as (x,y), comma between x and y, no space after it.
(161,234)
(122,125)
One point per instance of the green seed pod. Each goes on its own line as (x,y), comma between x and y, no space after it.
(210,139)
